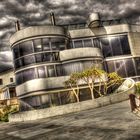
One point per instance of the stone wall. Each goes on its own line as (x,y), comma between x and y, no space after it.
(5,76)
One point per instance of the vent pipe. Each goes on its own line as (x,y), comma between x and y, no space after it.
(17,25)
(52,18)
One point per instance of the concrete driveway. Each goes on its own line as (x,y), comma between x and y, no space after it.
(112,122)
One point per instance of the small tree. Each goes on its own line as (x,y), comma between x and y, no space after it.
(72,82)
(86,77)
(90,76)
(113,80)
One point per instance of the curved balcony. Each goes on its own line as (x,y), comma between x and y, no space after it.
(37,31)
(41,85)
(80,53)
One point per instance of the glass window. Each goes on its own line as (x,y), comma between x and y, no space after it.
(11,80)
(46,44)
(78,44)
(130,67)
(96,43)
(137,63)
(26,48)
(51,71)
(62,45)
(19,78)
(72,68)
(1,82)
(41,72)
(55,43)
(39,58)
(19,63)
(70,45)
(28,60)
(16,52)
(125,44)
(48,57)
(115,45)
(37,45)
(29,75)
(107,51)
(55,56)
(87,43)
(110,66)
(59,70)
(120,68)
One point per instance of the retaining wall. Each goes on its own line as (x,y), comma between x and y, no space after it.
(69,108)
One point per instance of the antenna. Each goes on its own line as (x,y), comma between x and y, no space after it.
(17,25)
(52,18)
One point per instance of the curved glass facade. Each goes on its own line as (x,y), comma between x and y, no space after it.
(55,70)
(37,58)
(38,72)
(38,50)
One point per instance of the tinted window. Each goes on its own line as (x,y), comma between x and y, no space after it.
(125,44)
(16,52)
(48,57)
(107,51)
(41,72)
(26,48)
(96,43)
(37,45)
(46,44)
(29,75)
(19,63)
(130,67)
(1,82)
(39,57)
(62,44)
(59,70)
(70,45)
(78,44)
(87,43)
(55,56)
(115,45)
(137,62)
(51,71)
(28,60)
(19,78)
(110,66)
(57,44)
(72,68)
(120,68)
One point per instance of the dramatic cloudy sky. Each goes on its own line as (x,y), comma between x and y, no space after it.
(35,12)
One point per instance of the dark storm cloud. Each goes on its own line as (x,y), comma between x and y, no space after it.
(35,12)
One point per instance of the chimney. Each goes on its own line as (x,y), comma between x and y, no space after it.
(94,20)
(52,18)
(17,25)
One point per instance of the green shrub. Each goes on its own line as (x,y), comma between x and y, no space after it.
(138,88)
(5,111)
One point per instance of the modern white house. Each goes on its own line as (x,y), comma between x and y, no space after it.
(45,56)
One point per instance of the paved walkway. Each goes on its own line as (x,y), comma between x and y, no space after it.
(113,122)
